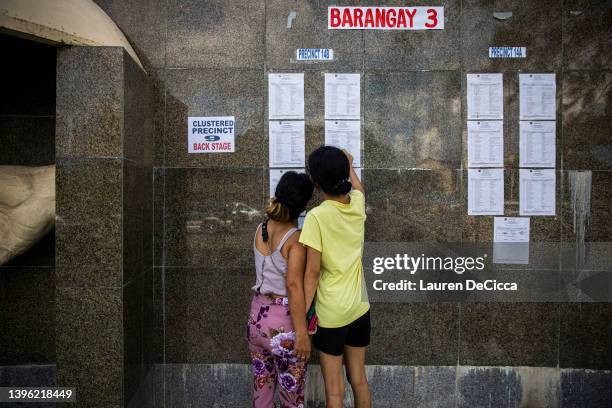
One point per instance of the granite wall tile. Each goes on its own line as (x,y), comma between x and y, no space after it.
(586,336)
(138,114)
(587,107)
(206,314)
(488,387)
(88,229)
(197,92)
(414,205)
(509,334)
(211,216)
(414,334)
(416,50)
(309,30)
(133,337)
(586,34)
(219,34)
(89,323)
(534,25)
(92,79)
(412,120)
(144,24)
(159,174)
(27,315)
(27,140)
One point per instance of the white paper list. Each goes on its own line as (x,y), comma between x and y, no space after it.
(342,96)
(537,191)
(275,176)
(511,229)
(345,134)
(286,143)
(511,240)
(286,96)
(485,96)
(485,191)
(537,144)
(485,143)
(537,96)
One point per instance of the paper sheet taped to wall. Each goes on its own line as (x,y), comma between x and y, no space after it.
(342,96)
(286,96)
(537,191)
(485,191)
(286,143)
(345,134)
(485,96)
(485,143)
(275,176)
(511,240)
(537,144)
(538,94)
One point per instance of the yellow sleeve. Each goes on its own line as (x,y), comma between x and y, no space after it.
(358,200)
(311,232)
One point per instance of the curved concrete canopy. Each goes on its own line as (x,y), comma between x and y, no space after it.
(76,22)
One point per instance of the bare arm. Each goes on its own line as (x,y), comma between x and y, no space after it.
(312,274)
(296,262)
(295,286)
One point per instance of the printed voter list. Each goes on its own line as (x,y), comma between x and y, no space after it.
(212,134)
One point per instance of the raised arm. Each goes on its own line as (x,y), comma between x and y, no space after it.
(357,185)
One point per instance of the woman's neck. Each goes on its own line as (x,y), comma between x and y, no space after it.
(342,198)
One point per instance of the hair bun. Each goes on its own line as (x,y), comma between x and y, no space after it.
(343,187)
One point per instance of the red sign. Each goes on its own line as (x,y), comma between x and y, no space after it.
(385,18)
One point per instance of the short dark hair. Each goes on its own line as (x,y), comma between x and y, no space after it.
(291,195)
(329,168)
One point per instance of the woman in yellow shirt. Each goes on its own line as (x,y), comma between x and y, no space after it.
(333,233)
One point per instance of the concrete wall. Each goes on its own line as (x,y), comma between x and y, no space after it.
(27,137)
(214,57)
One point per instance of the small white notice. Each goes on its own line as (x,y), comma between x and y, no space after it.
(511,229)
(314,54)
(286,96)
(210,134)
(485,143)
(537,96)
(275,176)
(345,134)
(511,240)
(485,191)
(485,96)
(537,144)
(342,96)
(287,142)
(537,191)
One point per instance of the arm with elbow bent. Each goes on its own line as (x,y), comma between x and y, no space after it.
(296,260)
(356,183)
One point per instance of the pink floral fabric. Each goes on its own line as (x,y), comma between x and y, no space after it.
(271,341)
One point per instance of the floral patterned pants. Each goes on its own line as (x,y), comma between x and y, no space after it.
(271,339)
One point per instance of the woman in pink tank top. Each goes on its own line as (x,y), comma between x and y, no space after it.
(276,332)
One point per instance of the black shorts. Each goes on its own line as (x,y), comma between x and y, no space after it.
(332,340)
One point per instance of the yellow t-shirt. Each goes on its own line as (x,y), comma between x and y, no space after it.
(337,231)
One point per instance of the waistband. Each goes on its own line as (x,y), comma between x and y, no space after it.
(271,300)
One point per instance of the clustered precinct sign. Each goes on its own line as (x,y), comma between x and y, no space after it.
(385,18)
(211,134)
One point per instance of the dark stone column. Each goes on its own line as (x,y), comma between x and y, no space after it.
(104,141)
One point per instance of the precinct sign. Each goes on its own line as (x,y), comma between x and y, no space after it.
(385,18)
(210,134)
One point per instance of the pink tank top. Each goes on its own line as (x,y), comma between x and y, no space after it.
(271,269)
